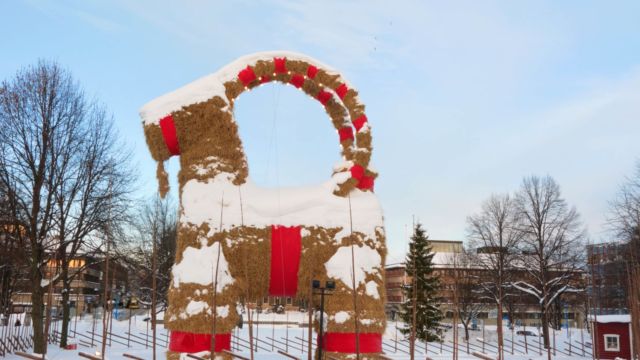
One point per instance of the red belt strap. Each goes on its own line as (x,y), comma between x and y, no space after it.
(286,247)
(346,342)
(169,133)
(186,342)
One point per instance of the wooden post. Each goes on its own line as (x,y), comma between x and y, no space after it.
(49,305)
(129,331)
(395,347)
(582,339)
(513,329)
(412,339)
(526,345)
(249,317)
(484,339)
(105,300)
(257,323)
(310,322)
(154,261)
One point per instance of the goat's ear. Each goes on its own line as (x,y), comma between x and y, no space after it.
(156,143)
(160,153)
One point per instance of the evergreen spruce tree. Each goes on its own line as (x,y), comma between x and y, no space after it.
(420,268)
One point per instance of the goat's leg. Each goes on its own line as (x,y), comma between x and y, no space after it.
(193,303)
(331,260)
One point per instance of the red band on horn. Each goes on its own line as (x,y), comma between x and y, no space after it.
(346,343)
(246,76)
(365,182)
(342,91)
(286,248)
(359,122)
(297,80)
(312,71)
(280,65)
(169,134)
(324,97)
(187,342)
(345,133)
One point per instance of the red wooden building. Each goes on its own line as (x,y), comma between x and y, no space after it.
(612,336)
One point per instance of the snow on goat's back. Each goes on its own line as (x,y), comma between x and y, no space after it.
(252,205)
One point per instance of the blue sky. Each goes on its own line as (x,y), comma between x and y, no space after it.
(465,97)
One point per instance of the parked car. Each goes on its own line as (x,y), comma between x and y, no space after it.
(526,333)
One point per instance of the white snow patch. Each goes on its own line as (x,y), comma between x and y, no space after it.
(341,316)
(199,265)
(212,85)
(196,307)
(372,289)
(605,319)
(263,207)
(222,311)
(367,261)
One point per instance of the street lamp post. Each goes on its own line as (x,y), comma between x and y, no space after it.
(330,285)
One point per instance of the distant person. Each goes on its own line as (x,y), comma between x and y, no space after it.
(18,323)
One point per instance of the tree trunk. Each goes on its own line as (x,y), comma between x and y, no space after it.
(66,311)
(545,326)
(466,335)
(499,328)
(37,311)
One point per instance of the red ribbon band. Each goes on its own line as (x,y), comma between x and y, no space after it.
(345,133)
(169,134)
(364,182)
(346,342)
(342,90)
(280,65)
(186,342)
(359,122)
(297,80)
(247,75)
(324,97)
(312,71)
(286,247)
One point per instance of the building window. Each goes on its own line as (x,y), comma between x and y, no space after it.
(611,342)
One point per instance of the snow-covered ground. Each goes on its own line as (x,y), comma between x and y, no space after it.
(290,334)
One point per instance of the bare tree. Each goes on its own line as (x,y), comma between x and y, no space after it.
(12,268)
(156,216)
(469,302)
(493,233)
(94,191)
(624,220)
(552,245)
(53,165)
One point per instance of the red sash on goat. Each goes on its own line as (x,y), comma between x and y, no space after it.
(286,247)
(192,343)
(346,342)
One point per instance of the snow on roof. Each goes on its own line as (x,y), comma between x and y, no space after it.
(605,319)
(211,85)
